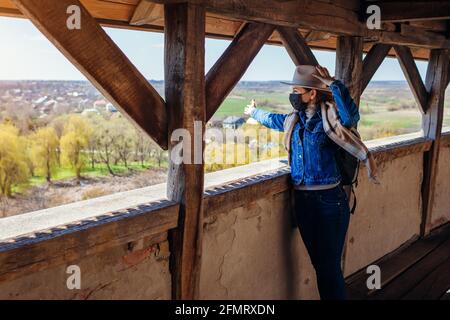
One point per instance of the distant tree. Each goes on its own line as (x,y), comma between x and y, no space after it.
(21,114)
(92,148)
(159,154)
(13,165)
(74,140)
(124,138)
(91,151)
(143,147)
(104,140)
(28,152)
(58,124)
(45,151)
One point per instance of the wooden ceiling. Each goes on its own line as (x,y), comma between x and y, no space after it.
(149,16)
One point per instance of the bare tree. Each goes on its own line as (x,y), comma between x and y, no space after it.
(104,141)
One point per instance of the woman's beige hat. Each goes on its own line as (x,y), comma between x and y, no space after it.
(303,77)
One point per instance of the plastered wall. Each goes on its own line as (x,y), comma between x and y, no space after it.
(441,205)
(387,215)
(255,252)
(114,274)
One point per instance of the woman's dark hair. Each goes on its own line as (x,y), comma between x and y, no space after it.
(323,96)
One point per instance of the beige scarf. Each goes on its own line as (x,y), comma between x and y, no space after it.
(348,139)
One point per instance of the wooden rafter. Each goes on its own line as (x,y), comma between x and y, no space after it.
(396,11)
(233,63)
(372,61)
(412,75)
(436,82)
(296,46)
(185,95)
(147,13)
(93,52)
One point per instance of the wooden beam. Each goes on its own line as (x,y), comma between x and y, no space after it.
(233,63)
(436,82)
(296,46)
(412,75)
(372,62)
(312,15)
(419,34)
(419,40)
(185,94)
(92,51)
(349,64)
(396,11)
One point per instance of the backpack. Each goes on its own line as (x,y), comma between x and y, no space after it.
(349,168)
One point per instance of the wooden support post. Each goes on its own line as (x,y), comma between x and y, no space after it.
(296,46)
(93,52)
(185,98)
(349,64)
(233,63)
(436,82)
(409,67)
(349,70)
(372,61)
(448,77)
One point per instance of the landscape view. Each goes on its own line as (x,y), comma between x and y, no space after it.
(62,141)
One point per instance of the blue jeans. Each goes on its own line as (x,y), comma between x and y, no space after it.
(322,217)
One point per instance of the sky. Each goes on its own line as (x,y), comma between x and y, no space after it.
(25,54)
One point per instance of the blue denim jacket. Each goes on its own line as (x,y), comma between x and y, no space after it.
(312,151)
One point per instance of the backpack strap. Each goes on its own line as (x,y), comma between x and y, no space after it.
(352,211)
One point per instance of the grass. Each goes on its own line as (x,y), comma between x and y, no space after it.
(234,105)
(100,170)
(393,120)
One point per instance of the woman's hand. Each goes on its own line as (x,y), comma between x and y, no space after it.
(249,108)
(324,75)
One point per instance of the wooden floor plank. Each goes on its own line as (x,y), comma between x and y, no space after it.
(434,285)
(402,284)
(397,262)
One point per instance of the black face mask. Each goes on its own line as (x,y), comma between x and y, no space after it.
(296,101)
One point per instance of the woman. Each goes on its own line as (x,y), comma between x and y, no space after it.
(321,205)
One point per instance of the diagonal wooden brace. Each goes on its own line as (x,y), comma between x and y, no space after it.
(93,52)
